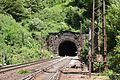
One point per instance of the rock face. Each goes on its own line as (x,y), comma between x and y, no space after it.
(64,39)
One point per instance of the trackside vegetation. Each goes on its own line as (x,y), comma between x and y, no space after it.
(25,24)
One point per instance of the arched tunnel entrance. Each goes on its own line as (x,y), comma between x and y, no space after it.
(67,48)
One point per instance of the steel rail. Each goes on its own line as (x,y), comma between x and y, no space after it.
(57,75)
(43,69)
(13,67)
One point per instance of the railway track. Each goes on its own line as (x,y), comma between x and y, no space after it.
(13,67)
(10,72)
(57,74)
(55,69)
(7,68)
(51,70)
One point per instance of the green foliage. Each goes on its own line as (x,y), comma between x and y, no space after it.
(115,57)
(25,24)
(61,17)
(73,16)
(17,42)
(84,54)
(47,54)
(38,5)
(14,8)
(117,48)
(23,71)
(108,72)
(113,23)
(113,15)
(36,25)
(112,75)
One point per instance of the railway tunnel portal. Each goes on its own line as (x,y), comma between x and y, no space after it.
(64,43)
(67,48)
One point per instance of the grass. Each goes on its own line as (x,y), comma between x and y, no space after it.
(23,71)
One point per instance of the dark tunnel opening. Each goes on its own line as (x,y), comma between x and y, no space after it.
(67,48)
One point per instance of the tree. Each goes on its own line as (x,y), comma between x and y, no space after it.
(14,8)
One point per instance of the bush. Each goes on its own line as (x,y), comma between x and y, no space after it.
(17,42)
(112,75)
(17,10)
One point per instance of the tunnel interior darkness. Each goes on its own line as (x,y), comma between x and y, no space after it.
(67,48)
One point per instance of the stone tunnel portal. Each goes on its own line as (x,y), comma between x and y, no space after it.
(67,48)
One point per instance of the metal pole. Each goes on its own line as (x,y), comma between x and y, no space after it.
(98,24)
(81,40)
(104,37)
(99,48)
(92,35)
(98,32)
(89,53)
